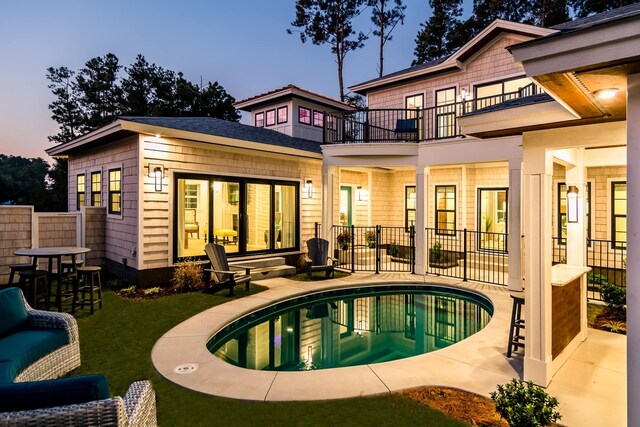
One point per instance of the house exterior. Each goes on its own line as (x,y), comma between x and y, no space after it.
(492,164)
(170,185)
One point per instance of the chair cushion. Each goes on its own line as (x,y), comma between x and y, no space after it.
(50,393)
(12,311)
(22,348)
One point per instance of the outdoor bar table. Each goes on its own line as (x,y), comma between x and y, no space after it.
(53,253)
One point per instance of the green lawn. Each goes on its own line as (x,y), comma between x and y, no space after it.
(117,341)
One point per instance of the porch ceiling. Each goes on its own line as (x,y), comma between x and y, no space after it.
(577,90)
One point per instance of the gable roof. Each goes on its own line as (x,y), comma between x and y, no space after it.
(600,18)
(196,129)
(292,91)
(455,61)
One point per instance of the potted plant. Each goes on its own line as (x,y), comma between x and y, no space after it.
(343,240)
(394,249)
(370,238)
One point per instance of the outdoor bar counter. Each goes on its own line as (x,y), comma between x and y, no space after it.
(568,305)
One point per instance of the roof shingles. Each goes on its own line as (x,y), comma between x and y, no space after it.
(228,129)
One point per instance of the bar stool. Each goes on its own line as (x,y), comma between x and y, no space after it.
(516,338)
(89,279)
(17,268)
(29,281)
(68,268)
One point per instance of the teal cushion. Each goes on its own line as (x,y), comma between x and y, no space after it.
(22,348)
(51,393)
(12,311)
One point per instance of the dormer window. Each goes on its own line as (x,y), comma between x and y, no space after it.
(304,115)
(271,117)
(259,120)
(283,115)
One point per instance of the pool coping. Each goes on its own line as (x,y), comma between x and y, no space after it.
(476,363)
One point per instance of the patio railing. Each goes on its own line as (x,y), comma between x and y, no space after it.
(408,125)
(468,255)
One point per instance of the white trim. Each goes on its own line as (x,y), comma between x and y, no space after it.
(433,185)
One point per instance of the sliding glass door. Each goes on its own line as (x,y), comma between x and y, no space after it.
(242,214)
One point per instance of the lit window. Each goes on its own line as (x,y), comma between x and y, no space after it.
(259,120)
(96,188)
(283,115)
(80,189)
(445,209)
(446,124)
(271,117)
(619,214)
(304,115)
(318,118)
(410,206)
(115,191)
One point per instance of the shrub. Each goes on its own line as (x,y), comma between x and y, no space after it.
(370,238)
(152,291)
(394,249)
(344,239)
(597,279)
(187,277)
(614,296)
(524,404)
(615,326)
(436,254)
(131,289)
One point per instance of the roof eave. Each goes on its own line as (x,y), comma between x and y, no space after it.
(95,135)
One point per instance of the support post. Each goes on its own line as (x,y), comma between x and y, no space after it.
(421,189)
(328,179)
(514,225)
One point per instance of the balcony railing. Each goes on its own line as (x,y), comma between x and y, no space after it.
(408,125)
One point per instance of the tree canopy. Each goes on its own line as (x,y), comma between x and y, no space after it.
(443,33)
(24,182)
(385,15)
(330,22)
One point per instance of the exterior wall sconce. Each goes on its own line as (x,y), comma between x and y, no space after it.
(362,195)
(156,171)
(307,190)
(572,204)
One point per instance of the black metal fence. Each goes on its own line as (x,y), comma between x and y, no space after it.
(374,248)
(468,255)
(608,263)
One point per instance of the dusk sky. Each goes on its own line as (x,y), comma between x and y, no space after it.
(241,44)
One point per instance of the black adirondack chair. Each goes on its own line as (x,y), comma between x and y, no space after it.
(224,276)
(318,258)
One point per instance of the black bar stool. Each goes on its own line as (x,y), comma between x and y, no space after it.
(516,337)
(29,281)
(17,268)
(89,279)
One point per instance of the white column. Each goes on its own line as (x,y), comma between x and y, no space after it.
(633,250)
(576,232)
(537,247)
(514,239)
(328,179)
(370,191)
(420,220)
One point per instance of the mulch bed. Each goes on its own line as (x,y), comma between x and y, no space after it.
(606,317)
(140,295)
(459,404)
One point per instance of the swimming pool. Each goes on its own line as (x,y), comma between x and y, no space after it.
(353,326)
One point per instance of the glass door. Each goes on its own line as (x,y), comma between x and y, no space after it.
(258,226)
(285,197)
(193,216)
(226,215)
(345,205)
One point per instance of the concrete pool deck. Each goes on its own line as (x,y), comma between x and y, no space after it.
(591,386)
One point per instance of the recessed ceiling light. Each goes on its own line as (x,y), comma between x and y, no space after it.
(157,135)
(607,93)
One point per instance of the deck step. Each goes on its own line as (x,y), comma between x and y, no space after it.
(266,268)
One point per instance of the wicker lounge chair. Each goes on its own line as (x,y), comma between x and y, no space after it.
(19,367)
(318,259)
(224,276)
(136,409)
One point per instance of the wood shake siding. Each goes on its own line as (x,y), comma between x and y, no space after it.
(57,229)
(189,157)
(491,64)
(121,232)
(15,233)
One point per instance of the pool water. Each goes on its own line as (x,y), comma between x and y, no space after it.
(348,327)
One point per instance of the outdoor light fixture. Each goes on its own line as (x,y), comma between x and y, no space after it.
(156,171)
(362,195)
(307,190)
(607,93)
(310,354)
(572,204)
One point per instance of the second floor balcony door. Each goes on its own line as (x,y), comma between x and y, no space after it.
(446,113)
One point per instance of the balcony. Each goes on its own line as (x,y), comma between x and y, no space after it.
(393,125)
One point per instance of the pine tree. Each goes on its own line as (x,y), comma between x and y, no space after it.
(330,22)
(437,37)
(582,8)
(385,17)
